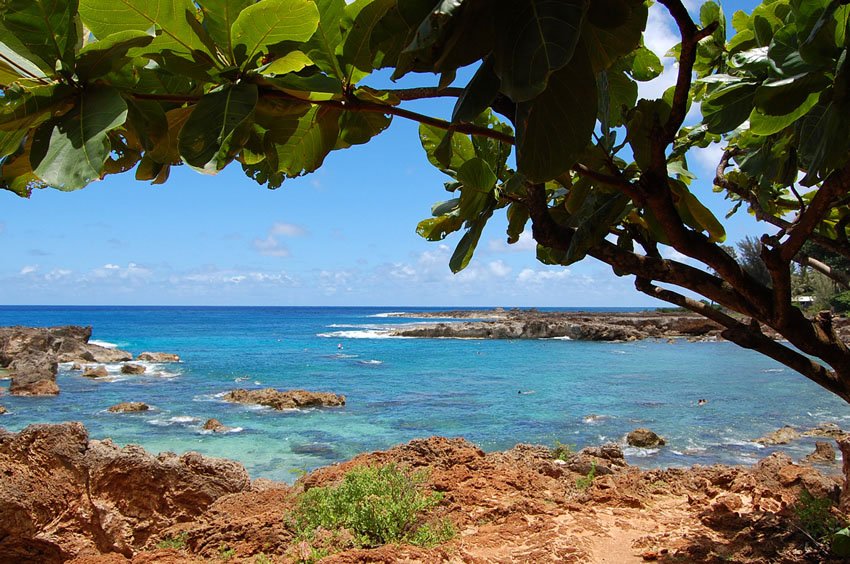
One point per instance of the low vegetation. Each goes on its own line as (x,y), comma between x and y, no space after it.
(373,505)
(817,520)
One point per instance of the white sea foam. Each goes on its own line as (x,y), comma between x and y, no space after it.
(104,344)
(773,370)
(388,314)
(360,334)
(370,362)
(639,452)
(225,432)
(563,338)
(176,420)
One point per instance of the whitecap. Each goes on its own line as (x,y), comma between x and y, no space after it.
(104,344)
(370,362)
(225,432)
(640,452)
(594,419)
(389,314)
(563,338)
(773,370)
(359,334)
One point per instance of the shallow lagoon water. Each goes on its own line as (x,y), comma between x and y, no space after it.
(400,389)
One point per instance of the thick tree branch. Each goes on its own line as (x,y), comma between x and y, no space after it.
(840,278)
(426,92)
(751,337)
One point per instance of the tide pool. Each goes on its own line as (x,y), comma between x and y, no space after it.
(579,393)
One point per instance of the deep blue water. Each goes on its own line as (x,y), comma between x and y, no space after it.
(400,389)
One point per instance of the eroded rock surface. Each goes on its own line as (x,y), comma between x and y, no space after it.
(290,399)
(824,454)
(644,438)
(129,368)
(63,496)
(216,426)
(95,372)
(129,407)
(158,357)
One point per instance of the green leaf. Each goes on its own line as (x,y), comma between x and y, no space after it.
(356,128)
(446,151)
(517,219)
(645,65)
(478,181)
(622,95)
(478,94)
(689,205)
(396,29)
(729,106)
(782,96)
(639,128)
(355,51)
(219,16)
(606,44)
(23,110)
(555,127)
(466,247)
(218,127)
(169,17)
(110,53)
(840,545)
(321,48)
(293,61)
(300,143)
(45,27)
(69,152)
(437,228)
(19,62)
(762,124)
(599,211)
(269,22)
(534,39)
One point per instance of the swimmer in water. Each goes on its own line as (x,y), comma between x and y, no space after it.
(339,346)
(523,393)
(702,402)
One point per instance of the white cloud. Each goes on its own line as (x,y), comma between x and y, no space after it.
(287,229)
(499,269)
(231,277)
(28,269)
(271,247)
(708,158)
(57,274)
(537,277)
(113,271)
(525,244)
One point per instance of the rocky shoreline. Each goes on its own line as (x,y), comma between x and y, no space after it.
(66,498)
(580,326)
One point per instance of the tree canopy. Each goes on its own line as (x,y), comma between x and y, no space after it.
(549,130)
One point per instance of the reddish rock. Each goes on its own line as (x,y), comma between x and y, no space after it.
(781,436)
(216,426)
(62,495)
(290,399)
(644,438)
(824,454)
(158,357)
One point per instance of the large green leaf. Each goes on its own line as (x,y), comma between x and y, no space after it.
(293,61)
(321,48)
(782,96)
(556,126)
(110,53)
(218,127)
(171,19)
(729,106)
(478,94)
(300,142)
(445,150)
(69,152)
(16,61)
(641,121)
(21,110)
(599,211)
(356,128)
(534,39)
(219,16)
(45,27)
(762,124)
(396,29)
(269,22)
(606,44)
(360,19)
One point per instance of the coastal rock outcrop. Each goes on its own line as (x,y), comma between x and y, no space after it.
(824,454)
(63,495)
(781,436)
(216,426)
(825,430)
(95,372)
(290,399)
(129,368)
(129,407)
(644,438)
(158,357)
(32,354)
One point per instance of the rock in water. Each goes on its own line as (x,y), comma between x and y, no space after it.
(781,436)
(62,495)
(95,372)
(828,430)
(132,369)
(824,454)
(158,357)
(129,407)
(290,399)
(216,426)
(34,374)
(2,410)
(644,438)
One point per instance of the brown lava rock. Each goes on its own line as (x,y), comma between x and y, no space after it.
(129,407)
(132,369)
(158,357)
(290,399)
(644,438)
(95,372)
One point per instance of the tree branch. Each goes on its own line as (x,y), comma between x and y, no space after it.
(426,92)
(840,278)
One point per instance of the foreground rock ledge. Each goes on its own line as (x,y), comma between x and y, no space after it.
(520,505)
(290,399)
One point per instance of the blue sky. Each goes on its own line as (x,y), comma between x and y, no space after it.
(344,235)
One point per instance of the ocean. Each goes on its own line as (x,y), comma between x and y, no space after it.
(576,393)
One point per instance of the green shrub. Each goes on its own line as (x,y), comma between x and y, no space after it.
(262,559)
(840,302)
(375,504)
(562,451)
(584,482)
(815,517)
(178,542)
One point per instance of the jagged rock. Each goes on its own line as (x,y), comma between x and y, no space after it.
(132,369)
(824,454)
(781,436)
(644,438)
(95,372)
(158,357)
(827,430)
(290,399)
(33,374)
(129,407)
(216,426)
(62,495)
(95,353)
(606,459)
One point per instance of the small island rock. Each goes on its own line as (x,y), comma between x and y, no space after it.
(95,372)
(781,436)
(216,426)
(132,369)
(644,438)
(77,367)
(824,454)
(2,410)
(129,407)
(827,430)
(290,399)
(158,357)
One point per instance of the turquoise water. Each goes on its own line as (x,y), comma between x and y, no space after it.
(400,389)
